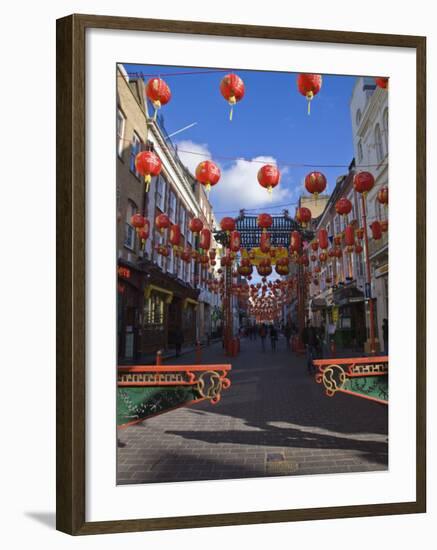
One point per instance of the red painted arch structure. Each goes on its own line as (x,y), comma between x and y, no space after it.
(365,377)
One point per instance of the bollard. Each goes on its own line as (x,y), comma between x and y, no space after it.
(198,353)
(158,358)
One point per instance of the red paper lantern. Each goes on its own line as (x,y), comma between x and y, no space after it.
(384,226)
(175,235)
(162,222)
(313,257)
(195,225)
(138,221)
(269,176)
(303,260)
(232,89)
(303,216)
(338,252)
(186,255)
(158,92)
(343,206)
(349,235)
(264,243)
(205,239)
(363,182)
(309,85)
(323,238)
(235,241)
(295,242)
(143,235)
(337,240)
(264,221)
(382,82)
(359,233)
(323,257)
(358,249)
(315,183)
(148,164)
(382,195)
(376,230)
(208,174)
(315,245)
(227,224)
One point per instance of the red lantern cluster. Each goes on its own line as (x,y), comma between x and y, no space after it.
(269,176)
(309,85)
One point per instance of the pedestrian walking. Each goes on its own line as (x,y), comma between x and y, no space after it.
(385,335)
(287,334)
(273,337)
(263,335)
(309,339)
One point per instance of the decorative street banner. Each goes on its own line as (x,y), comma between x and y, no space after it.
(144,391)
(365,377)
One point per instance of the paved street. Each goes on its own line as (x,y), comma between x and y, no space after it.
(273,420)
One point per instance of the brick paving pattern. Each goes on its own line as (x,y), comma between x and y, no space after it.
(273,420)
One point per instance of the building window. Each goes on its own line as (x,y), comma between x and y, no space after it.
(189,234)
(378,144)
(134,150)
(337,225)
(182,219)
(360,152)
(129,235)
(172,206)
(153,310)
(121,123)
(160,193)
(358,117)
(385,128)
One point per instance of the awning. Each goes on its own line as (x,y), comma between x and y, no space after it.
(153,288)
(348,295)
(318,303)
(187,301)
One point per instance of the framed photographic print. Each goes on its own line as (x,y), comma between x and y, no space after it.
(241,314)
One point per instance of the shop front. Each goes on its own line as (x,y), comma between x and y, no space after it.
(349,311)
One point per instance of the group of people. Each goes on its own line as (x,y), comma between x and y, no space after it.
(270,331)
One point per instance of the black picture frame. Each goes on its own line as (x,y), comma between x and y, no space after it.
(71,248)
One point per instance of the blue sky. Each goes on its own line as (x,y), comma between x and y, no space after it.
(270,124)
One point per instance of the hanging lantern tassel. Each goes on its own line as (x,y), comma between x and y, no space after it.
(232,102)
(309,96)
(147,180)
(157,105)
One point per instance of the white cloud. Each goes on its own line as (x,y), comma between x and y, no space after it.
(191,160)
(238,186)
